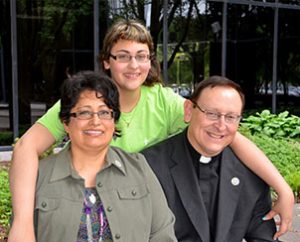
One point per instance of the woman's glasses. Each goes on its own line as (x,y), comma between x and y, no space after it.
(85,115)
(126,58)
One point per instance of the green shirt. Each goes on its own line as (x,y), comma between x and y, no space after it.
(158,115)
(133,200)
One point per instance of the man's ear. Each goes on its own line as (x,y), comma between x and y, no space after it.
(188,110)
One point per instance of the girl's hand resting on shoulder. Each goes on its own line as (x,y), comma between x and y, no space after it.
(283,207)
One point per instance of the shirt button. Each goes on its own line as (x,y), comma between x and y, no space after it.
(117,236)
(109,209)
(133,192)
(100,184)
(44,204)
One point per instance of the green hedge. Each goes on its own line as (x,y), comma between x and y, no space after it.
(285,155)
(6,138)
(5,202)
(278,136)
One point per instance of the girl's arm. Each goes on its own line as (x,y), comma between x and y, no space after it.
(23,171)
(259,163)
(23,175)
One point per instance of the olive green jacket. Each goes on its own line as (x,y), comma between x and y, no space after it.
(133,199)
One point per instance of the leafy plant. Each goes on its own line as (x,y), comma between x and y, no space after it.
(5,195)
(293,179)
(6,138)
(63,14)
(281,125)
(284,153)
(5,202)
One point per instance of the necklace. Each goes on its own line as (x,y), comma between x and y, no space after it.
(128,121)
(127,118)
(89,202)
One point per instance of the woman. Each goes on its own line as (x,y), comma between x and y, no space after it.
(91,191)
(149,113)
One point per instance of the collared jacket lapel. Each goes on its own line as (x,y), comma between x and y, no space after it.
(185,180)
(231,182)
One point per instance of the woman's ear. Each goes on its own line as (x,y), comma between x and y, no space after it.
(106,65)
(188,110)
(66,127)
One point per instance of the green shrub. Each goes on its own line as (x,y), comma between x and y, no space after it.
(293,180)
(5,197)
(284,153)
(278,136)
(5,202)
(282,125)
(6,138)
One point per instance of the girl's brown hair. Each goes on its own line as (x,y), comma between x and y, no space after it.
(131,30)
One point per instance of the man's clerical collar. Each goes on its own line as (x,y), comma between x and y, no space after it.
(204,160)
(196,156)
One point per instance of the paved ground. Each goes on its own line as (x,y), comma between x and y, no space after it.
(294,234)
(5,156)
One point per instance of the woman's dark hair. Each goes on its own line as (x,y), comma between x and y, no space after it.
(88,80)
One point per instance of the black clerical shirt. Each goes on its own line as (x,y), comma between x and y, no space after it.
(208,177)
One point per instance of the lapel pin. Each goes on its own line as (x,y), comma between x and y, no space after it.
(235,181)
(118,163)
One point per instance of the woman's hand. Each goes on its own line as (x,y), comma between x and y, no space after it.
(283,207)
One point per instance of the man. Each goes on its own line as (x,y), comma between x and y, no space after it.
(213,195)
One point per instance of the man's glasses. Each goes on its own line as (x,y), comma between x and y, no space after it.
(125,58)
(85,115)
(212,115)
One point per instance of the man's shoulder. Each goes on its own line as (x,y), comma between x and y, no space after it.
(250,178)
